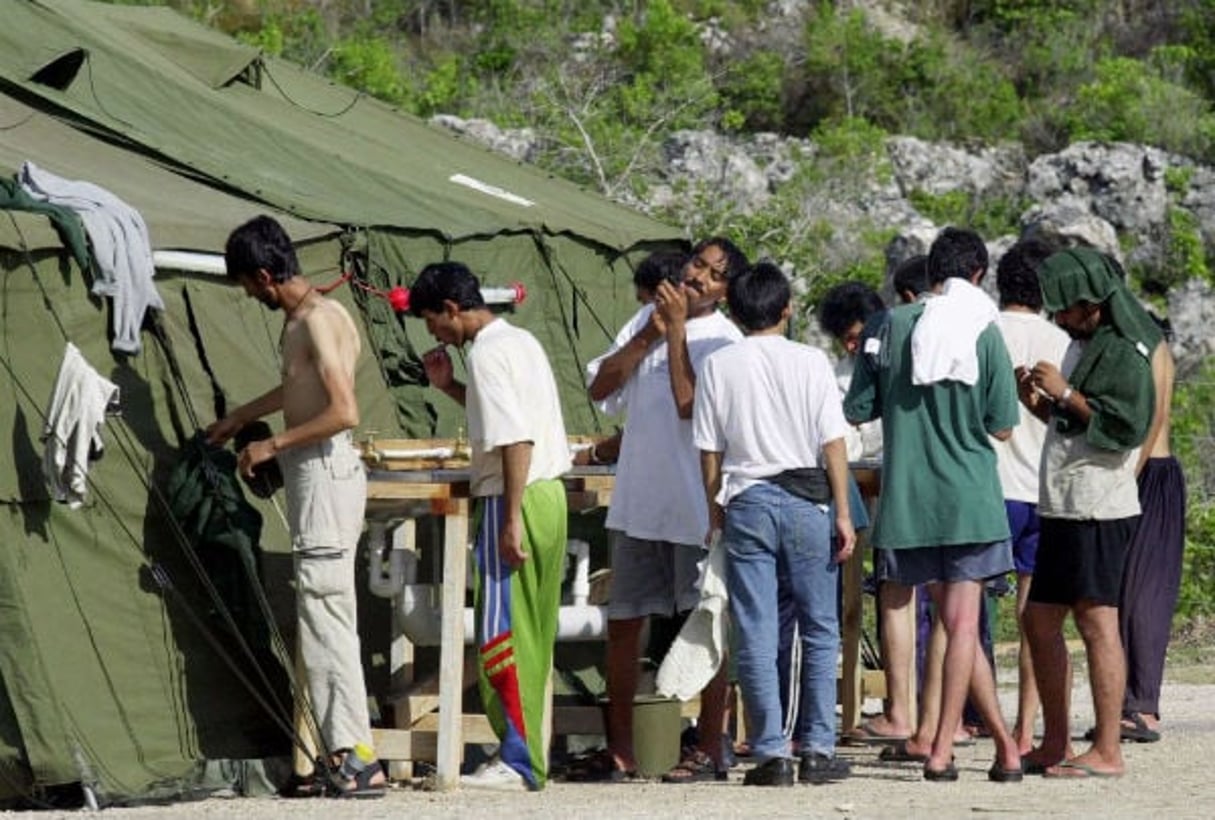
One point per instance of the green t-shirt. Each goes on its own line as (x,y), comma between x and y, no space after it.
(939,479)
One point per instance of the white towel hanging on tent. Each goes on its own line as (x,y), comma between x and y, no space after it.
(72,433)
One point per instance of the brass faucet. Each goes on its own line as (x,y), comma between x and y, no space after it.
(370,454)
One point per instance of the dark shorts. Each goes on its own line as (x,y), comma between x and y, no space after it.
(956,562)
(1081,561)
(1023,521)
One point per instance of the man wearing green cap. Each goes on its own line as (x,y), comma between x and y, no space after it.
(1098,407)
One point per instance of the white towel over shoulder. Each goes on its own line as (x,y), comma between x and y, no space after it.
(73,426)
(121,248)
(699,649)
(944,342)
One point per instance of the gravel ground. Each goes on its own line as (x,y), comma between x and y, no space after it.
(1169,778)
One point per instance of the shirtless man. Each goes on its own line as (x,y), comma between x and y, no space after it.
(326,491)
(1151,580)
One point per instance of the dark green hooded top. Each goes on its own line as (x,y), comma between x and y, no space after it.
(1115,372)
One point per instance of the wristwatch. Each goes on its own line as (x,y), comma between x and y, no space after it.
(1065,395)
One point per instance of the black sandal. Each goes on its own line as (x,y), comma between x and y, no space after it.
(302,786)
(598,766)
(360,787)
(697,767)
(1138,731)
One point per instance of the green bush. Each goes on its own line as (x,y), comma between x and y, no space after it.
(953,92)
(1193,419)
(370,64)
(850,70)
(1184,252)
(1128,100)
(300,37)
(751,92)
(951,208)
(665,60)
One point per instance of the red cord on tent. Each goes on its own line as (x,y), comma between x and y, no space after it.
(335,284)
(398,295)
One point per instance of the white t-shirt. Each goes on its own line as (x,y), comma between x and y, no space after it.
(510,397)
(767,404)
(1030,338)
(863,441)
(659,495)
(1082,482)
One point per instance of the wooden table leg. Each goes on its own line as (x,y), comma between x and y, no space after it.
(400,665)
(451,650)
(850,690)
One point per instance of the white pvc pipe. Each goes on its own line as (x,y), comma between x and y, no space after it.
(386,579)
(499,296)
(400,453)
(420,613)
(194,262)
(421,618)
(189,261)
(581,588)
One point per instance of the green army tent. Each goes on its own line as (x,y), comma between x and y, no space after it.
(286,137)
(106,675)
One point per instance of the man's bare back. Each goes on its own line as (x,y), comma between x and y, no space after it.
(1156,445)
(1163,373)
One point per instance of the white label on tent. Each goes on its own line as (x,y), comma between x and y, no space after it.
(492,190)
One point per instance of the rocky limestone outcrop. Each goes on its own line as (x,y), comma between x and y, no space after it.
(1116,197)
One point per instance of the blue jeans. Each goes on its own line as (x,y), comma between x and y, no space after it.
(777,541)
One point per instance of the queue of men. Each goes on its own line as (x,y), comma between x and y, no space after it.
(1005,449)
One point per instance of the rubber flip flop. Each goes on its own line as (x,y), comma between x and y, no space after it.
(1072,769)
(1139,732)
(867,735)
(947,775)
(897,753)
(999,774)
(1036,767)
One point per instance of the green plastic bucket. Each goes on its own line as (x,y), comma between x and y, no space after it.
(656,727)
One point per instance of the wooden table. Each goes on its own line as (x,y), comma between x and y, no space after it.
(397,495)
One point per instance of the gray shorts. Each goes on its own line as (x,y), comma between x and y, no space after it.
(957,562)
(652,577)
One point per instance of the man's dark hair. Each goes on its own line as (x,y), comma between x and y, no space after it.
(736,260)
(1017,273)
(846,304)
(260,244)
(658,266)
(758,296)
(443,281)
(956,252)
(911,276)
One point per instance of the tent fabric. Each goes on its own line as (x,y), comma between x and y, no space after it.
(288,138)
(107,676)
